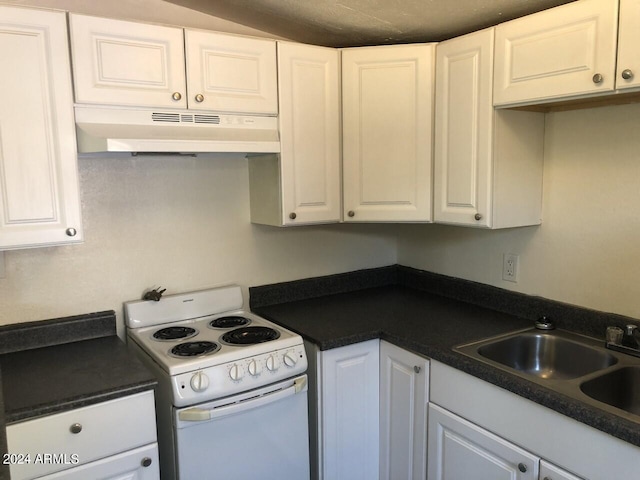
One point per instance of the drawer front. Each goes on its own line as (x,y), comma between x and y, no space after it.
(58,442)
(138,464)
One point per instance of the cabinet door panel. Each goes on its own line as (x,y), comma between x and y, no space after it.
(125,466)
(549,471)
(459,449)
(387,114)
(464,130)
(350,412)
(555,53)
(39,197)
(117,62)
(233,74)
(310,132)
(628,41)
(404,385)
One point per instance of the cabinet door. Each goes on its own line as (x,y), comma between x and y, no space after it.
(309,92)
(549,471)
(226,73)
(628,41)
(387,132)
(39,194)
(125,63)
(138,464)
(350,412)
(458,449)
(557,53)
(404,396)
(464,130)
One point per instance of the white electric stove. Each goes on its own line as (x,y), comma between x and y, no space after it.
(232,394)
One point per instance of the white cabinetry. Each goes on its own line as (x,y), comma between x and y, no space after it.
(106,440)
(344,411)
(549,471)
(570,445)
(459,449)
(231,74)
(224,73)
(387,132)
(488,163)
(404,396)
(39,193)
(116,62)
(302,184)
(562,52)
(628,69)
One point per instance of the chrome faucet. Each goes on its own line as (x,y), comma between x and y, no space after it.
(625,341)
(630,337)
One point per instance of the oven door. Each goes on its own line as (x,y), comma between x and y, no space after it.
(261,434)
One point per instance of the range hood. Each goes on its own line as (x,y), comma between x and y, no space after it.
(107,129)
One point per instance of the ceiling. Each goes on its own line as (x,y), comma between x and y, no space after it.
(345,23)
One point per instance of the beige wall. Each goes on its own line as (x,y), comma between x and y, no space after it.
(587,250)
(179,222)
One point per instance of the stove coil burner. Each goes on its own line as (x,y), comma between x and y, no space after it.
(229,322)
(194,349)
(174,333)
(250,335)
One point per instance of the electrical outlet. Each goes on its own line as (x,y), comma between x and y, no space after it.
(510,267)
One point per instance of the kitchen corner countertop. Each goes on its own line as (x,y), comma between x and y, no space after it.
(431,324)
(89,366)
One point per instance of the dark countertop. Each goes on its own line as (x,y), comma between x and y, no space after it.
(431,324)
(62,364)
(64,377)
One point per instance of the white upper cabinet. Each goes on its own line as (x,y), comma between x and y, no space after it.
(117,62)
(387,132)
(488,163)
(231,74)
(562,52)
(39,193)
(302,184)
(628,70)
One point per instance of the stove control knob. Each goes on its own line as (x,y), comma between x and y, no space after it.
(290,359)
(272,363)
(255,368)
(236,372)
(199,382)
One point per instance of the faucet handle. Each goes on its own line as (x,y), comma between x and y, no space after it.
(545,323)
(631,329)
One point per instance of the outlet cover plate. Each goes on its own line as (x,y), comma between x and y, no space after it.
(510,267)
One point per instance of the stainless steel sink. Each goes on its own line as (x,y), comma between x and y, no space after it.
(553,355)
(546,355)
(619,388)
(572,364)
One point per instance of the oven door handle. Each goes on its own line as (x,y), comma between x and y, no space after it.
(204,414)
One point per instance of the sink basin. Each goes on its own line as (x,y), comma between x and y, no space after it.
(555,355)
(619,388)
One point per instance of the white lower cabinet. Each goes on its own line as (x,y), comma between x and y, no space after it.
(114,439)
(404,397)
(479,431)
(458,450)
(138,464)
(549,471)
(349,412)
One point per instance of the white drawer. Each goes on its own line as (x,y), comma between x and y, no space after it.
(105,429)
(138,464)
